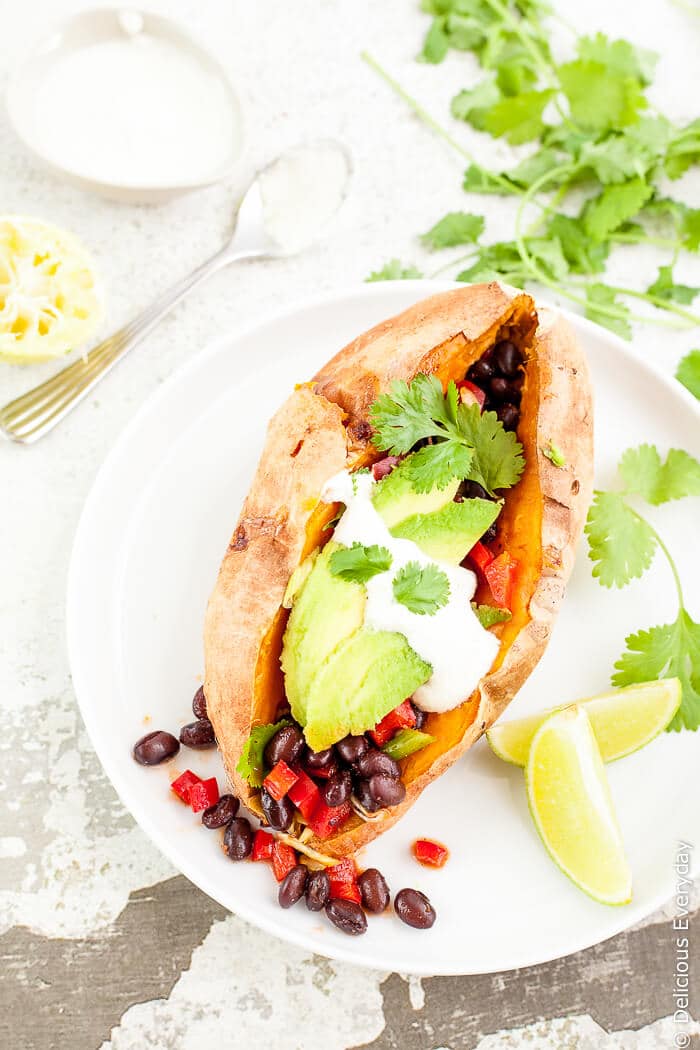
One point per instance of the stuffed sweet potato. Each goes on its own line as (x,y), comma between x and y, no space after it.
(488,350)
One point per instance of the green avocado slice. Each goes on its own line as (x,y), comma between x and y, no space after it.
(395,499)
(326,610)
(367,676)
(449,533)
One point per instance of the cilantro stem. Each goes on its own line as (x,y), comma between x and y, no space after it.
(631,238)
(660,304)
(430,121)
(666,552)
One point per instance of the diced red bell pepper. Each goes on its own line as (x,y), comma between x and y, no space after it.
(471,394)
(500,576)
(279,780)
(431,853)
(348,891)
(481,556)
(327,819)
(305,795)
(263,842)
(402,717)
(184,784)
(204,794)
(344,871)
(284,858)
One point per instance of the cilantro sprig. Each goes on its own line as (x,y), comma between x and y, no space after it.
(596,172)
(423,589)
(622,545)
(251,764)
(467,443)
(359,563)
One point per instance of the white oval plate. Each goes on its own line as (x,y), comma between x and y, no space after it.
(145,558)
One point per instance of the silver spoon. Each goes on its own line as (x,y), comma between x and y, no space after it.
(35,413)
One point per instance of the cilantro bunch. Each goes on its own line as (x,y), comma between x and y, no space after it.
(622,545)
(595,171)
(465,442)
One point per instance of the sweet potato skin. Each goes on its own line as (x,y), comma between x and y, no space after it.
(322,429)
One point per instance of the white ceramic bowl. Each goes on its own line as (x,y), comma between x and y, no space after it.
(82,31)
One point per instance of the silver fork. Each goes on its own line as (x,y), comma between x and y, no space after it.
(35,413)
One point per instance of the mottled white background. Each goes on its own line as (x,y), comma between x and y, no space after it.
(69,855)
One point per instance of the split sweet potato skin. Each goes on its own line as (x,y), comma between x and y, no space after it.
(323,428)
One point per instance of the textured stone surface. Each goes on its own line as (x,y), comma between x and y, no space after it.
(102,946)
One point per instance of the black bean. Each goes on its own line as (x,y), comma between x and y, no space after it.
(155,747)
(286,745)
(351,747)
(421,717)
(374,890)
(279,815)
(508,415)
(318,890)
(414,908)
(473,490)
(386,791)
(490,535)
(292,886)
(364,797)
(374,761)
(238,839)
(480,372)
(320,762)
(499,388)
(199,704)
(199,734)
(515,394)
(221,813)
(347,916)
(507,358)
(337,789)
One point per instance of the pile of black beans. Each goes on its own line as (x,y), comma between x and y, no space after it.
(499,373)
(411,906)
(353,766)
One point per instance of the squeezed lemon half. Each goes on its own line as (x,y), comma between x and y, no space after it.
(49,297)
(572,808)
(623,721)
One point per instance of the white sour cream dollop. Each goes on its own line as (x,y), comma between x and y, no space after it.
(452,640)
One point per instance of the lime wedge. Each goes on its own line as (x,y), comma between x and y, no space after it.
(623,721)
(50,301)
(570,803)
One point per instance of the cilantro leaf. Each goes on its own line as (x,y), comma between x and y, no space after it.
(457,227)
(600,295)
(394,270)
(600,98)
(435,466)
(498,460)
(619,56)
(669,650)
(683,150)
(621,544)
(688,372)
(251,764)
(644,474)
(488,615)
(554,455)
(615,205)
(581,253)
(472,104)
(408,414)
(501,260)
(479,180)
(519,118)
(436,43)
(421,588)
(358,563)
(690,229)
(664,288)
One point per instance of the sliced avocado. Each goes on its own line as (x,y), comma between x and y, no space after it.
(395,499)
(449,533)
(367,676)
(326,610)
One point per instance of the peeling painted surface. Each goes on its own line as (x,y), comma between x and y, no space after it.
(103,945)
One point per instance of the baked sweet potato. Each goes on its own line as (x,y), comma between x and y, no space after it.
(324,427)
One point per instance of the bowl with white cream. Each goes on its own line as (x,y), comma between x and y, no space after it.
(126,103)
